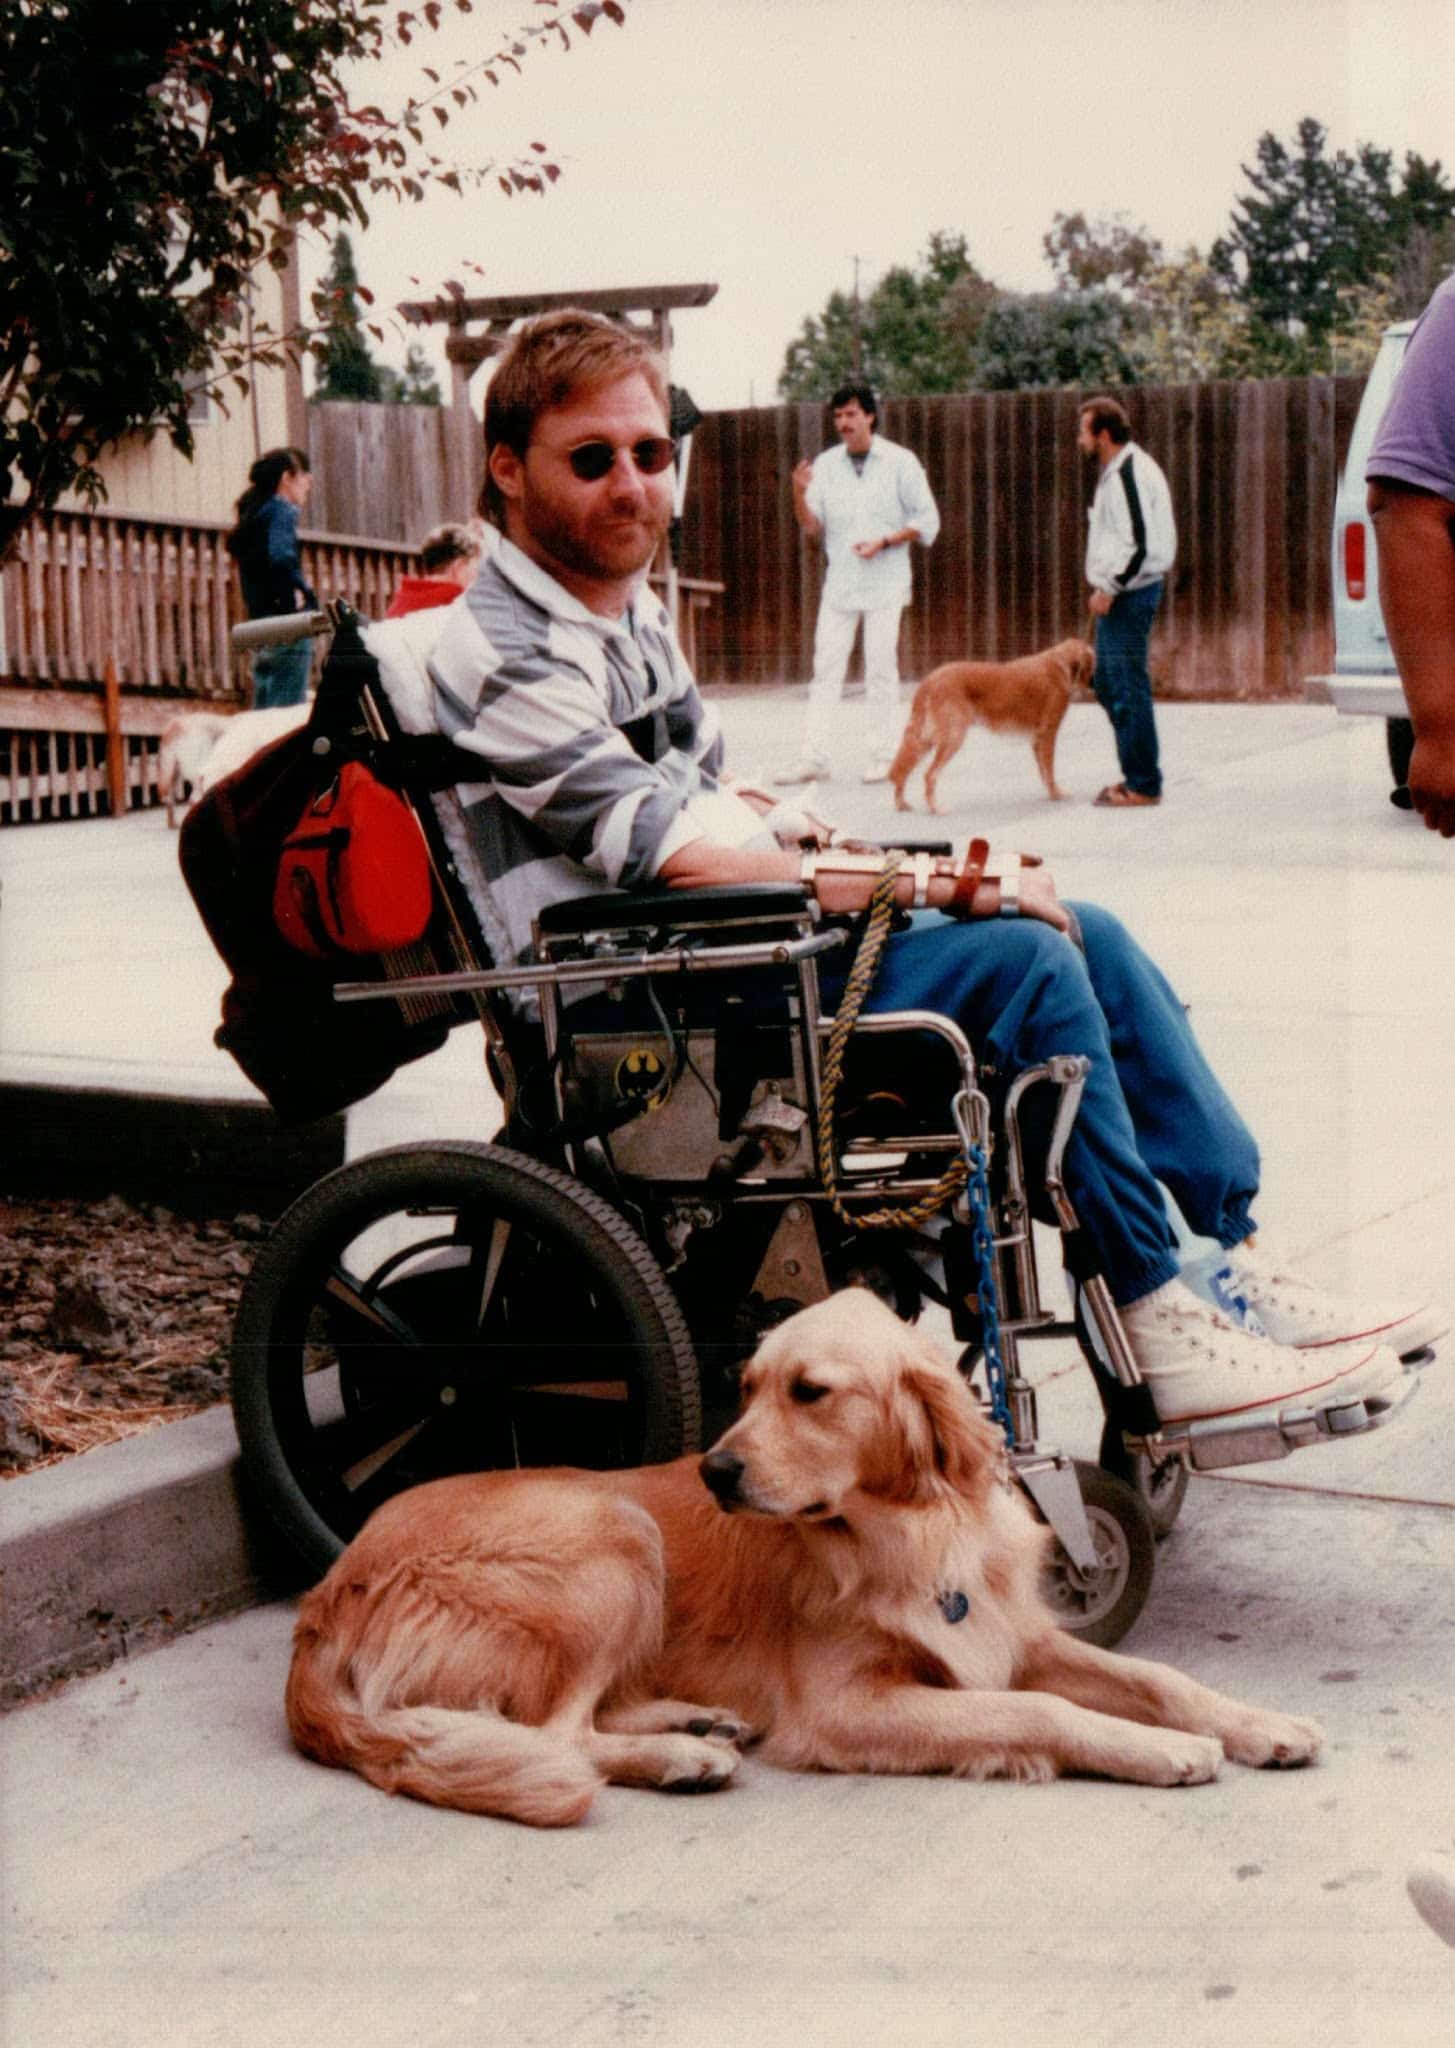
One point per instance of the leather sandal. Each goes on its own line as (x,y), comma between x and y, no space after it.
(1117,797)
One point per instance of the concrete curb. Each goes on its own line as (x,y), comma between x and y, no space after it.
(121,1548)
(77,1138)
(125,1547)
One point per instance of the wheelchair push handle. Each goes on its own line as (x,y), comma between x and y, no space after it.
(282,630)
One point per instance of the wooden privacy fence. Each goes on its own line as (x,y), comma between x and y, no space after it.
(391,470)
(151,601)
(1252,469)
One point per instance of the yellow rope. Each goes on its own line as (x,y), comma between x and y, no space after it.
(851,1003)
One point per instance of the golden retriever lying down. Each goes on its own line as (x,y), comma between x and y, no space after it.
(1029,696)
(854,1585)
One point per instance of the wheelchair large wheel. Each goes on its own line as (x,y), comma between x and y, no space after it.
(1101,1605)
(445,1308)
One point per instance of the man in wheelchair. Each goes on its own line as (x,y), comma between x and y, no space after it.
(602,769)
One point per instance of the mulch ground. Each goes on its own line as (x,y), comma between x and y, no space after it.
(113,1317)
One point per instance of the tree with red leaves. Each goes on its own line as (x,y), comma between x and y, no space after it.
(153,158)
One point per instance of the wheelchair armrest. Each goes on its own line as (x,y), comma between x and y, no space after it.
(625,908)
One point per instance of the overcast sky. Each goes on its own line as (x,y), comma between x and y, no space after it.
(764,144)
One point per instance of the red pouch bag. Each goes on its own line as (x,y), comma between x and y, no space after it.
(354,875)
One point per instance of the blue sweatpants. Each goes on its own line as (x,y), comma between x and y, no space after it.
(1153,1110)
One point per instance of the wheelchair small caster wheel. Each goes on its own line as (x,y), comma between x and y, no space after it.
(1100,1606)
(1162,1487)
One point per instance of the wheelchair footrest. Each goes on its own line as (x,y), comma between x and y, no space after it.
(1255,1439)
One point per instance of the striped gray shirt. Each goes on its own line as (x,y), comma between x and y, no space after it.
(552,696)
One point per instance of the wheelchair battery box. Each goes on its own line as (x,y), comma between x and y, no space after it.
(721,1101)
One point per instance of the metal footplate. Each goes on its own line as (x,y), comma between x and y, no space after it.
(1251,1440)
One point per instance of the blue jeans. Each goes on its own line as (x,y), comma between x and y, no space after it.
(280,675)
(1153,1110)
(1125,688)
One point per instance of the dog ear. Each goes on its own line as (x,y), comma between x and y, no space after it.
(963,1444)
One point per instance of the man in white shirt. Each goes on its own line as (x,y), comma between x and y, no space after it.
(867,501)
(1130,546)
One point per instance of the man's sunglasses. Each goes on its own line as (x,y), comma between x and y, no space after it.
(592,460)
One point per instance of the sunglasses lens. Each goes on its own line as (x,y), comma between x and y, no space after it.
(653,456)
(593,459)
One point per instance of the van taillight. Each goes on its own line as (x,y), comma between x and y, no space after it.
(1354,558)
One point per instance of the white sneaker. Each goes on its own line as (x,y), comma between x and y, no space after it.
(808,768)
(1431,1886)
(1198,1365)
(1258,1294)
(877,771)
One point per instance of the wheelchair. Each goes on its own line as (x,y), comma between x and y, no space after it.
(688,1156)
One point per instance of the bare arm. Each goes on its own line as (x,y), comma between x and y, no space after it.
(703,865)
(1416,533)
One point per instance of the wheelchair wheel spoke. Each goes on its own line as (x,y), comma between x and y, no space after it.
(486,1261)
(374,1318)
(358,1474)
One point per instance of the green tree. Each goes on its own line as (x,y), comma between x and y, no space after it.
(1190,327)
(153,157)
(914,334)
(1319,224)
(415,384)
(345,367)
(1102,253)
(1056,338)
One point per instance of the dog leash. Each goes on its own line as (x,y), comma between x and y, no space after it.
(851,1003)
(970,1172)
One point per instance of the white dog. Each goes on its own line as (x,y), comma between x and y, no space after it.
(200,747)
(187,742)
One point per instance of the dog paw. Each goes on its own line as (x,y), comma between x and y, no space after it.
(692,1763)
(1277,1742)
(1183,1760)
(721,1724)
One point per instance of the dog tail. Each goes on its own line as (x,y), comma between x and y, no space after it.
(915,742)
(477,1760)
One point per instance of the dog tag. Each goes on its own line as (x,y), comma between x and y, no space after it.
(954,1604)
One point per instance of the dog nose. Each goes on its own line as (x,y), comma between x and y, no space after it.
(721,1471)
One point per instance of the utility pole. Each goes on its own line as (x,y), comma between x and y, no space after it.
(858,365)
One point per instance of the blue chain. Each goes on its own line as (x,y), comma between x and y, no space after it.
(977,1189)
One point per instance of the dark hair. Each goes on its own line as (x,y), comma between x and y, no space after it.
(451,543)
(1106,416)
(847,393)
(263,480)
(546,360)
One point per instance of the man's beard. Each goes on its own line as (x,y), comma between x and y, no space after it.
(589,551)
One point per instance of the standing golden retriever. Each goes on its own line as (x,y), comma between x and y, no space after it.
(1029,696)
(855,1584)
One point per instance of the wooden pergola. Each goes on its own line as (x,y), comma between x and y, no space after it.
(479,328)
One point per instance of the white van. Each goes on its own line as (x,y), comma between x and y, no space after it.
(1365,680)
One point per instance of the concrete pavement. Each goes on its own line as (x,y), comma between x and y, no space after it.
(169,1866)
